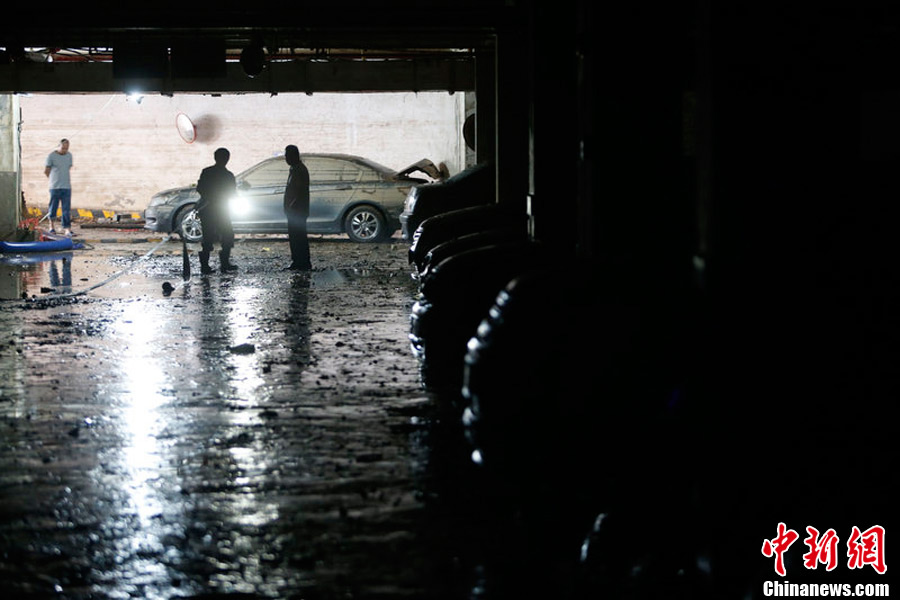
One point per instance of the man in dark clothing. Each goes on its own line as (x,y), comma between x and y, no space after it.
(216,188)
(296,209)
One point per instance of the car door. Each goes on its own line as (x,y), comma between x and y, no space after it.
(259,205)
(333,185)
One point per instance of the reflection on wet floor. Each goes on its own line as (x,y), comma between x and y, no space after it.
(263,433)
(26,275)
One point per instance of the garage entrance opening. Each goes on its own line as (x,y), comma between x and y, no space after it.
(129,147)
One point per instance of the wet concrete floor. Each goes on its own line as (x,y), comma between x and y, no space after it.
(262,434)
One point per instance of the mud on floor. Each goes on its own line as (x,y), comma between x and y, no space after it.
(261,433)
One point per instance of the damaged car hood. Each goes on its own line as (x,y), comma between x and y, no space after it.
(427,167)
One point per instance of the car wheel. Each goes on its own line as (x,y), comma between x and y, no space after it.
(189,227)
(365,224)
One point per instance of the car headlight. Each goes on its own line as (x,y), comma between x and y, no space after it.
(411,198)
(239,206)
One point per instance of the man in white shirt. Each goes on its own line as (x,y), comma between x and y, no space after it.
(57,167)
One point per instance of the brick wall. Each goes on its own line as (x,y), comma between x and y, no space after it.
(125,151)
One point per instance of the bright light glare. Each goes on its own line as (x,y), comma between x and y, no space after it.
(141,464)
(249,386)
(141,408)
(239,206)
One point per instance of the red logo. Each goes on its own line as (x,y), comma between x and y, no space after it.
(870,551)
(821,551)
(863,548)
(778,545)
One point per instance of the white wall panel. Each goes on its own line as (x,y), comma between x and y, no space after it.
(126,151)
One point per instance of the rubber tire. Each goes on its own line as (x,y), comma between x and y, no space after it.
(365,224)
(189,227)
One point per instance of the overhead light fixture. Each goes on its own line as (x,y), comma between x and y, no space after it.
(135,59)
(253,59)
(9,55)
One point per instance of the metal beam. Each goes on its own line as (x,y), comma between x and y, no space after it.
(310,76)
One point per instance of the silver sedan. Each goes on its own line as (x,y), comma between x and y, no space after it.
(348,194)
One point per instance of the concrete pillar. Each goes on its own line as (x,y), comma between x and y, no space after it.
(512,126)
(486,106)
(554,127)
(10,181)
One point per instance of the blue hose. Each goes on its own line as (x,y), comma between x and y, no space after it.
(50,246)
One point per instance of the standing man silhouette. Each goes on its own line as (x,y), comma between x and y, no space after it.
(57,167)
(296,209)
(216,187)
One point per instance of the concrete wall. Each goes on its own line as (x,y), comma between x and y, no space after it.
(10,204)
(125,151)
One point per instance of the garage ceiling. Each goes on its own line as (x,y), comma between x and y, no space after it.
(169,47)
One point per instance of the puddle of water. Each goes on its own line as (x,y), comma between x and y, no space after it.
(328,277)
(27,275)
(106,272)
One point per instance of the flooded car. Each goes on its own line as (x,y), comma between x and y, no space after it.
(472,187)
(348,194)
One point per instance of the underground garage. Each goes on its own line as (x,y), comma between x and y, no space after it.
(641,345)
